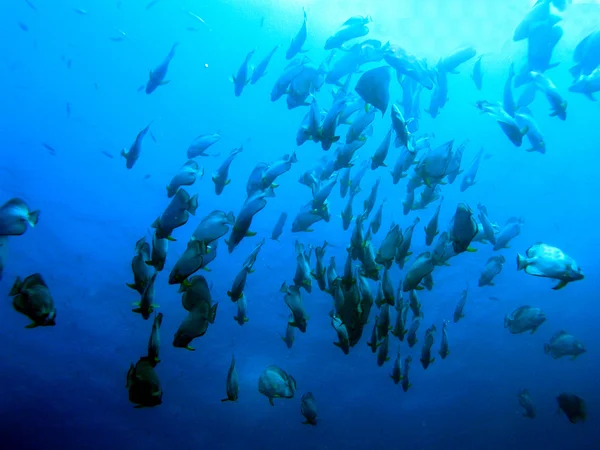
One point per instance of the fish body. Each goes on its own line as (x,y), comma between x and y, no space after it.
(157,76)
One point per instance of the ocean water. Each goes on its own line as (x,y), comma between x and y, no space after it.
(64,386)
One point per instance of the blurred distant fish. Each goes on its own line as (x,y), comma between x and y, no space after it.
(151,4)
(108,155)
(31,5)
(477,74)
(278,228)
(298,40)
(49,148)
(120,37)
(451,62)
(157,76)
(261,69)
(68,109)
(80,11)
(587,85)
(22,26)
(199,19)
(240,79)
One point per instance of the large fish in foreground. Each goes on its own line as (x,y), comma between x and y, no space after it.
(543,260)
(14,217)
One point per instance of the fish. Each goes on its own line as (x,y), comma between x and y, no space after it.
(176,214)
(524,318)
(587,85)
(157,76)
(526,403)
(143,384)
(159,253)
(16,216)
(381,153)
(477,74)
(405,368)
(32,298)
(221,176)
(240,79)
(293,299)
(543,260)
(261,69)
(422,266)
(342,334)
(241,316)
(154,341)
(426,358)
(132,155)
(403,249)
(201,143)
(558,104)
(459,56)
(444,350)
(279,225)
(239,283)
(374,87)
(50,149)
(564,344)
(464,229)
(346,33)
(411,337)
(382,352)
(489,231)
(274,382)
(320,272)
(573,407)
(146,305)
(186,176)
(3,253)
(289,333)
(213,226)
(396,374)
(302,277)
(298,40)
(492,267)
(196,256)
(460,306)
(308,408)
(141,270)
(431,229)
(468,179)
(376,222)
(508,101)
(232,386)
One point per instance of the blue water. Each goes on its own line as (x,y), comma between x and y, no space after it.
(64,386)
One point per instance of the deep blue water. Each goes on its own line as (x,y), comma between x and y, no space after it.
(64,386)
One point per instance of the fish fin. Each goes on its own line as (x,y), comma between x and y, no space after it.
(132,286)
(250,233)
(31,325)
(191,349)
(163,82)
(271,401)
(560,285)
(471,249)
(171,238)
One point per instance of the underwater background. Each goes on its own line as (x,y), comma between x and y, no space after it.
(64,386)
